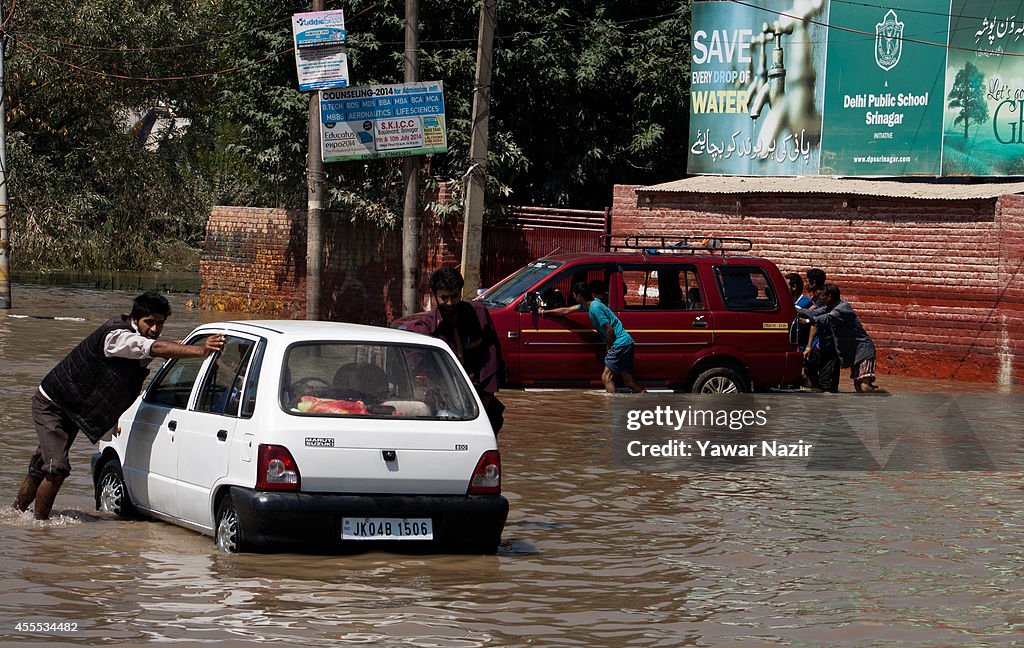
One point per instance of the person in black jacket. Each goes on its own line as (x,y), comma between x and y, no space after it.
(855,347)
(91,387)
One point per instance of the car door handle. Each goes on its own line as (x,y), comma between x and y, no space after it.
(512,335)
(222,435)
(699,324)
(172,425)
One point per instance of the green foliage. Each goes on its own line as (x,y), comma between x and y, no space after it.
(968,95)
(584,95)
(84,192)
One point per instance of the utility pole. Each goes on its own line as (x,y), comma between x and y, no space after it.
(472,232)
(5,239)
(411,174)
(314,203)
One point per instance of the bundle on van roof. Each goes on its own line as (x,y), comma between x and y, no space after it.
(657,244)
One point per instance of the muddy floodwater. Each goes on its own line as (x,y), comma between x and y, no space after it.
(902,524)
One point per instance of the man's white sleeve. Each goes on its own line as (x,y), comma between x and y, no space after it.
(124,343)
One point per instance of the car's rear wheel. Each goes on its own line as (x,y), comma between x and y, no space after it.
(719,380)
(229,527)
(112,492)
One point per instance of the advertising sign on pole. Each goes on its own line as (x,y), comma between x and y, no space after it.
(382,121)
(320,57)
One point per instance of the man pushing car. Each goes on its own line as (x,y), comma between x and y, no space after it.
(91,387)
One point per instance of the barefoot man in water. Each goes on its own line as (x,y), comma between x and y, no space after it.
(91,387)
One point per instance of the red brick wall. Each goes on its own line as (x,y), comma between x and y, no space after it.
(254,262)
(936,282)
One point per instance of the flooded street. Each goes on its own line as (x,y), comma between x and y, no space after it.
(902,524)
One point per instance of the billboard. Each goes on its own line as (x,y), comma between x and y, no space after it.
(808,87)
(320,57)
(378,121)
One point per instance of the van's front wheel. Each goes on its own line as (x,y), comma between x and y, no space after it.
(719,380)
(112,492)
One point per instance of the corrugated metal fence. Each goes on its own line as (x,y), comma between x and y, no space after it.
(532,232)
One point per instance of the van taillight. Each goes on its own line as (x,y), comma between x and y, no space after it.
(276,469)
(487,475)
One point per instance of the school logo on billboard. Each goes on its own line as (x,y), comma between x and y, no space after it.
(888,41)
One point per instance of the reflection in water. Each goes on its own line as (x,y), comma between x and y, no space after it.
(595,553)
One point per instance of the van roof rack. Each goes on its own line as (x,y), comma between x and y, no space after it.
(657,244)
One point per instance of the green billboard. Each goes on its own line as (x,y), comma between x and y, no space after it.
(831,87)
(984,121)
(884,79)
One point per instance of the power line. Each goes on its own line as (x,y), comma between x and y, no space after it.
(137,50)
(202,75)
(124,77)
(873,35)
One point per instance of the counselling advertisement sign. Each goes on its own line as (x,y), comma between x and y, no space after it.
(804,87)
(378,121)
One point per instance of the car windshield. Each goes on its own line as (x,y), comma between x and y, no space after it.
(510,288)
(374,380)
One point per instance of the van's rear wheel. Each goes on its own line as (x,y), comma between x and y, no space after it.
(229,527)
(719,380)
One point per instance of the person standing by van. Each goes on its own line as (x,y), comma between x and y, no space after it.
(618,358)
(467,328)
(856,349)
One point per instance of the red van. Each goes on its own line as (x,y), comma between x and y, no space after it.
(704,318)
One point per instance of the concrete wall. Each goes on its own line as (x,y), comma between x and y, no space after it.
(936,282)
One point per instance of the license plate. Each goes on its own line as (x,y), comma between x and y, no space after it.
(387,529)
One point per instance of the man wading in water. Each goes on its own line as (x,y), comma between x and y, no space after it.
(91,387)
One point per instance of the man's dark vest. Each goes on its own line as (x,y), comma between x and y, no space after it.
(92,389)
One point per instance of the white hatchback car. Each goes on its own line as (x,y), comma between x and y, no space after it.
(324,434)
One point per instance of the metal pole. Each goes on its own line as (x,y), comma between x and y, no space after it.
(411,175)
(5,240)
(314,203)
(472,232)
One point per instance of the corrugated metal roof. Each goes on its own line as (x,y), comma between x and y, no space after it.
(890,188)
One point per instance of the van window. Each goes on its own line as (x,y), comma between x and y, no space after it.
(374,380)
(558,291)
(661,288)
(518,283)
(746,288)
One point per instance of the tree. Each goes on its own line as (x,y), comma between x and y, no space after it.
(968,95)
(584,96)
(84,191)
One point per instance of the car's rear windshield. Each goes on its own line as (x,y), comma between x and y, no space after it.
(510,288)
(374,380)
